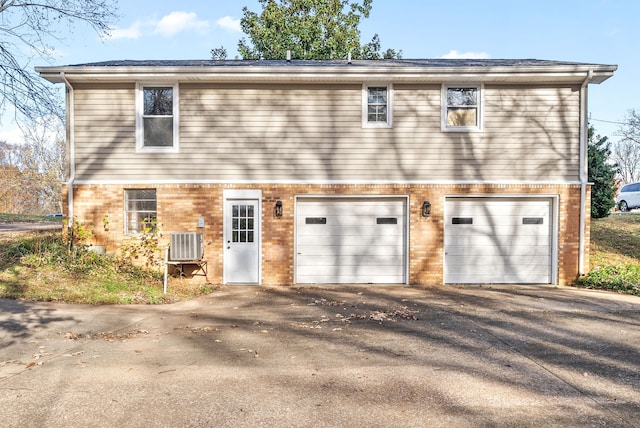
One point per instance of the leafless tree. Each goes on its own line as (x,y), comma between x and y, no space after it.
(10,179)
(42,159)
(28,29)
(630,130)
(626,153)
(31,172)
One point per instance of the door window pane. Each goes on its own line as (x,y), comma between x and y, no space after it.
(242,222)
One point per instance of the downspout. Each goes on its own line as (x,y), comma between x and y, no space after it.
(72,148)
(584,165)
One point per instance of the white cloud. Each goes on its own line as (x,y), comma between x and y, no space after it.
(178,21)
(453,54)
(57,53)
(133,32)
(229,23)
(41,130)
(11,134)
(169,25)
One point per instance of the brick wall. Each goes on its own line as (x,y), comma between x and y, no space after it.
(180,206)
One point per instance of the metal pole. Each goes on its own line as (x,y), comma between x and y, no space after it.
(166,267)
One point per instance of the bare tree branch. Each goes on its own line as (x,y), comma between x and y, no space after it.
(31,173)
(630,131)
(27,29)
(626,154)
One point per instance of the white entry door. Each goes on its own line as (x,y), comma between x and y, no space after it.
(242,242)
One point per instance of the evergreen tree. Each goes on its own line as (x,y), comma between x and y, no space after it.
(601,174)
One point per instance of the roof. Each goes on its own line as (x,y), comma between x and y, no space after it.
(400,70)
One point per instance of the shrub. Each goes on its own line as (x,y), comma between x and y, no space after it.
(624,279)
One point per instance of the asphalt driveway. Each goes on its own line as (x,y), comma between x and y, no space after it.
(28,227)
(366,356)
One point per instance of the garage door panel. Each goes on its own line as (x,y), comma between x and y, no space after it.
(501,211)
(351,279)
(336,251)
(356,207)
(496,208)
(488,261)
(472,242)
(519,221)
(345,230)
(337,240)
(500,270)
(498,240)
(498,278)
(495,251)
(357,269)
(347,240)
(495,274)
(350,220)
(352,260)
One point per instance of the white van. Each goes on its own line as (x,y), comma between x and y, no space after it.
(629,197)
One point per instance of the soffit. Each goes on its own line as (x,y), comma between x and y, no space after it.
(417,71)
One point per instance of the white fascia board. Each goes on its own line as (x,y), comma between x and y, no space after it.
(528,74)
(327,182)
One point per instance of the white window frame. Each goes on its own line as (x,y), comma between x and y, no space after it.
(365,105)
(136,232)
(445,108)
(140,147)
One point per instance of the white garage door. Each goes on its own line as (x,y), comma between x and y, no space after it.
(499,240)
(350,240)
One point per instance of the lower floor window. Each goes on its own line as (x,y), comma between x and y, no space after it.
(140,211)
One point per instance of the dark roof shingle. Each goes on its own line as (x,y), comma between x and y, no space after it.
(387,63)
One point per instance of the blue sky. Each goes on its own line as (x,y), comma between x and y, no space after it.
(594,31)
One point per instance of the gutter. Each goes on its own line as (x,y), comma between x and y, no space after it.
(238,71)
(584,165)
(72,149)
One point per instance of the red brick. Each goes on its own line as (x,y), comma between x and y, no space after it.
(180,207)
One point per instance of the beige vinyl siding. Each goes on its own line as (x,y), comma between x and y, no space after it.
(314,132)
(104,131)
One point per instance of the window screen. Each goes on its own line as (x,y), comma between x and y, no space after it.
(140,210)
(462,107)
(157,116)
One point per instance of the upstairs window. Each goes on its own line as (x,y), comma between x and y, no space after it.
(140,209)
(376,106)
(157,124)
(461,108)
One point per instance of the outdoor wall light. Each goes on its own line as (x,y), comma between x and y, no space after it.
(278,209)
(426,209)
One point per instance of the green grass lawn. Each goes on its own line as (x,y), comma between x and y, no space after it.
(615,254)
(38,266)
(23,218)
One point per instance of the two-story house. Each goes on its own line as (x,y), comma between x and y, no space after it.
(396,171)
